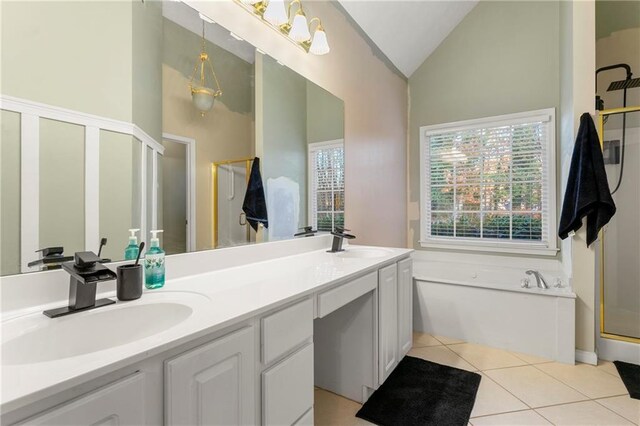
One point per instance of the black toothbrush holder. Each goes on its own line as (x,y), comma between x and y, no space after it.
(129,286)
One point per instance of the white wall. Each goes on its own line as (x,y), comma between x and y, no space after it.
(577,67)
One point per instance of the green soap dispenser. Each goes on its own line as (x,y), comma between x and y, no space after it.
(131,252)
(154,263)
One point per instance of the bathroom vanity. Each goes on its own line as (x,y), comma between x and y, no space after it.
(237,343)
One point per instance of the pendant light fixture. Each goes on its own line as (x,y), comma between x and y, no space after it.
(203,95)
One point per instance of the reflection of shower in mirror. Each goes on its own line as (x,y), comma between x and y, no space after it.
(231,182)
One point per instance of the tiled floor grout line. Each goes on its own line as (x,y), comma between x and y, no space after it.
(618,414)
(508,391)
(540,414)
(499,385)
(575,389)
(534,365)
(502,412)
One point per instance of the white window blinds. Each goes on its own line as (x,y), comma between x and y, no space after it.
(488,181)
(326,185)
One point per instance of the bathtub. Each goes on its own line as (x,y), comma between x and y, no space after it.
(487,305)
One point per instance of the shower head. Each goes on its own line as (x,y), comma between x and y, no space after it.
(628,83)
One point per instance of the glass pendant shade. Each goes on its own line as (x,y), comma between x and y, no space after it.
(300,29)
(203,98)
(276,14)
(319,44)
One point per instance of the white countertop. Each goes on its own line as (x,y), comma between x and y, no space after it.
(217,299)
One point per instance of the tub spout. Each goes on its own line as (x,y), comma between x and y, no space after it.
(539,278)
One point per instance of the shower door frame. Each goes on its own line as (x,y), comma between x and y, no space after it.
(603,333)
(214,193)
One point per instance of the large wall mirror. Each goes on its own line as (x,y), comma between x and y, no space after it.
(100,133)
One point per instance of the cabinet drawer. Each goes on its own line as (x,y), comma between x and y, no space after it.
(338,297)
(287,388)
(122,400)
(286,329)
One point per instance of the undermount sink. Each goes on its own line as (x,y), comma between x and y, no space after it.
(364,253)
(41,339)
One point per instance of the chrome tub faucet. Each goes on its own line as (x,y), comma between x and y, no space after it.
(539,278)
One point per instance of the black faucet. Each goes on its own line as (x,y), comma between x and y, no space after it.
(50,258)
(307,231)
(338,236)
(86,271)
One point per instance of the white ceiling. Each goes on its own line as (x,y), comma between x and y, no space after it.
(407,32)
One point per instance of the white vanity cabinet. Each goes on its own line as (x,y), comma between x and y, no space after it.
(387,320)
(258,370)
(118,403)
(287,361)
(213,384)
(405,306)
(395,290)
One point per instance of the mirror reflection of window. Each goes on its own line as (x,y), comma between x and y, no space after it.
(326,185)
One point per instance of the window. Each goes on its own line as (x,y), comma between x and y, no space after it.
(489,184)
(326,185)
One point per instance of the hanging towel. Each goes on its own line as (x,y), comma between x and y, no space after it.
(254,205)
(587,189)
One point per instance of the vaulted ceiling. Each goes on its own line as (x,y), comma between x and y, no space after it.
(407,32)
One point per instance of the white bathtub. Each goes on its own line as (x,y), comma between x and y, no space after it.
(487,305)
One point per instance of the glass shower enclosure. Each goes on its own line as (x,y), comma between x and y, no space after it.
(620,252)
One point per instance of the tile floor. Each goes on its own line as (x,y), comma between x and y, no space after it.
(516,389)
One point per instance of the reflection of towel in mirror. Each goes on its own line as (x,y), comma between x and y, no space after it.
(254,205)
(587,188)
(283,201)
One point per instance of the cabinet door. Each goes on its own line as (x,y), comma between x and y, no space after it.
(387,320)
(405,306)
(213,384)
(287,389)
(120,403)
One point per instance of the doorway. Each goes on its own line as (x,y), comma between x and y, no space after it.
(177,201)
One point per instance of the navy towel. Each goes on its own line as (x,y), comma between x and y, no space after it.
(255,205)
(587,189)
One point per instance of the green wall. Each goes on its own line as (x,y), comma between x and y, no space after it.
(502,58)
(76,55)
(9,193)
(612,16)
(325,115)
(146,62)
(285,128)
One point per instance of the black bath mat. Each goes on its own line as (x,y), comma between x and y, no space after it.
(420,392)
(630,375)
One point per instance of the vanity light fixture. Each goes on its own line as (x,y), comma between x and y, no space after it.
(202,95)
(277,14)
(319,44)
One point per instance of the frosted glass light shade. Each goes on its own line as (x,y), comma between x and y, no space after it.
(319,44)
(203,98)
(276,14)
(300,29)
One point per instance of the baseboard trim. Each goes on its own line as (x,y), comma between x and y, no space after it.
(586,357)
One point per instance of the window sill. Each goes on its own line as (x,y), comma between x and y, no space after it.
(513,248)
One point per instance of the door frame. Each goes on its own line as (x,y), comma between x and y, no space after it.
(191,185)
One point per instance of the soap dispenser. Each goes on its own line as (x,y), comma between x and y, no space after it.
(154,263)
(131,252)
